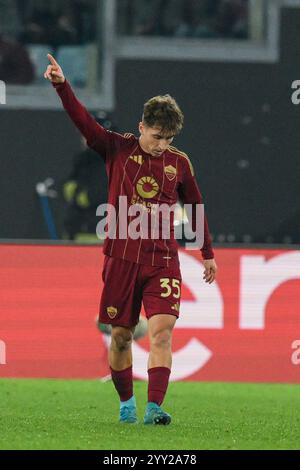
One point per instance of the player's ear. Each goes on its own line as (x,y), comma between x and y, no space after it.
(141,127)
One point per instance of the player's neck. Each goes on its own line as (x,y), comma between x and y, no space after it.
(142,145)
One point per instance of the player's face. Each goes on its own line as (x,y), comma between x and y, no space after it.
(153,141)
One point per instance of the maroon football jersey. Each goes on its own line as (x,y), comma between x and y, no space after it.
(142,180)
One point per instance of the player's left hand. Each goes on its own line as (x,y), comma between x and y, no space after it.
(54,71)
(210,271)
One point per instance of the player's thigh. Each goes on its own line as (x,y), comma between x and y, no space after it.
(121,296)
(162,292)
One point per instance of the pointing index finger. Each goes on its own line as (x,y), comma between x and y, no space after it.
(52,60)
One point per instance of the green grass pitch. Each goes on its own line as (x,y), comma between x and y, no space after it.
(57,414)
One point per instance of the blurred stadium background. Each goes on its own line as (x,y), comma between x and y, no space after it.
(231,65)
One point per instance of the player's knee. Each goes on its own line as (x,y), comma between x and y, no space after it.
(161,339)
(121,339)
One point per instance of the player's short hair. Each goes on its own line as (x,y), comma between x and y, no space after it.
(163,112)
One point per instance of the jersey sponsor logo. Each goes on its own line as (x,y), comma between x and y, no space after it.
(170,172)
(112,312)
(137,159)
(147,187)
(149,207)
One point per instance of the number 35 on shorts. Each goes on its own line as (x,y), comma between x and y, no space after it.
(170,287)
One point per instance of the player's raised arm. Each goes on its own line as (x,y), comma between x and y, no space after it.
(96,136)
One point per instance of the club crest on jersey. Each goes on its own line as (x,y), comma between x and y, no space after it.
(112,312)
(147,187)
(170,172)
(137,159)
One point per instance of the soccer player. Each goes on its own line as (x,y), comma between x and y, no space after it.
(147,171)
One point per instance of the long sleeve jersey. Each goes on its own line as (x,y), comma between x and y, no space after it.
(142,180)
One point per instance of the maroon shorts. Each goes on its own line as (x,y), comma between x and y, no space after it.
(127,285)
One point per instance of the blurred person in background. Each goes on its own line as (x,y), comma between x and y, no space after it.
(56,23)
(232,19)
(213,19)
(85,20)
(10,21)
(16,67)
(48,23)
(183,18)
(148,17)
(197,18)
(85,189)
